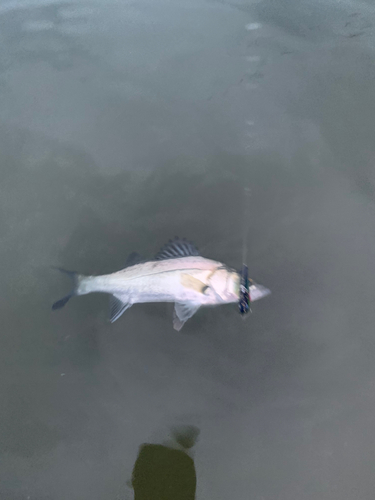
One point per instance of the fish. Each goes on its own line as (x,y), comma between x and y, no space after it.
(178,273)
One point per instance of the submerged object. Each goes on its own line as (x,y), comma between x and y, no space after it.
(177,274)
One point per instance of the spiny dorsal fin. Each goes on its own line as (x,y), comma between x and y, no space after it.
(177,248)
(117,308)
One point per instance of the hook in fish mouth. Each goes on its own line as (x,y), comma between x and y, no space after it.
(249,291)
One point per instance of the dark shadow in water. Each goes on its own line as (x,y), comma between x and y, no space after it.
(165,472)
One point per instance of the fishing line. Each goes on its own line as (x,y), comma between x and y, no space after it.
(247,193)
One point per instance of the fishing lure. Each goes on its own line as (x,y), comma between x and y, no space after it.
(244,300)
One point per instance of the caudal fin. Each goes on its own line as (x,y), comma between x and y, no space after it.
(74,276)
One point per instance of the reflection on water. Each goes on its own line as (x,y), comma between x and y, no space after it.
(48,33)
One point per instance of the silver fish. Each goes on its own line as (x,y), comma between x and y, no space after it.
(177,274)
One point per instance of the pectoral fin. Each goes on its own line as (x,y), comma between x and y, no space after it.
(117,308)
(182,312)
(195,284)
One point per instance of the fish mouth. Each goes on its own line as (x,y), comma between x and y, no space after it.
(257,291)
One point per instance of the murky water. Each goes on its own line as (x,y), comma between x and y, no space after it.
(125,123)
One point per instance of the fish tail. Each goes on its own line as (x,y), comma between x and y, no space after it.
(75,277)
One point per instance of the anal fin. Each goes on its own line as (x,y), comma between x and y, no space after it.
(117,307)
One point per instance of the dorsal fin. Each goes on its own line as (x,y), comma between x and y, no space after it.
(176,249)
(133,259)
